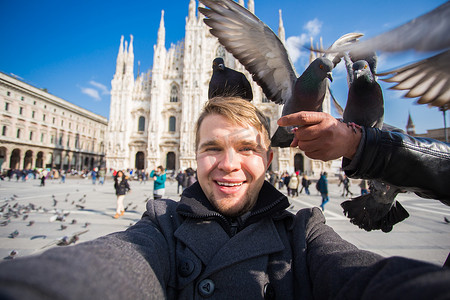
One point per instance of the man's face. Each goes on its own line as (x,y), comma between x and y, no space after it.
(231,164)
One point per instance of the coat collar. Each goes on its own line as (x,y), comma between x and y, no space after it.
(194,204)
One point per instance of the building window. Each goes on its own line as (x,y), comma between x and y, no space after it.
(172,122)
(42,137)
(60,139)
(54,120)
(70,125)
(6,106)
(4,130)
(43,117)
(52,139)
(31,135)
(141,124)
(22,98)
(8,93)
(174,93)
(68,142)
(18,133)
(32,114)
(34,102)
(62,122)
(20,110)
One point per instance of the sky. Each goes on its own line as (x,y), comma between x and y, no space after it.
(70,47)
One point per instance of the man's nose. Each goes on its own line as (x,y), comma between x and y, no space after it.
(229,161)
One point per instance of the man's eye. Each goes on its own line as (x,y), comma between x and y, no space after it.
(247,149)
(212,149)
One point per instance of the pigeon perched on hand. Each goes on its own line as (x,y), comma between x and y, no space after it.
(262,53)
(228,82)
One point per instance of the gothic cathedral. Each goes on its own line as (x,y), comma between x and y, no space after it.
(152,117)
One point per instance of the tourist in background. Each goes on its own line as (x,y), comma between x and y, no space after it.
(159,184)
(122,187)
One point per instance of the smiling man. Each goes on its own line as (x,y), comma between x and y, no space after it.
(233,155)
(229,237)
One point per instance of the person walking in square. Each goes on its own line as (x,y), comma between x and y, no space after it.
(122,187)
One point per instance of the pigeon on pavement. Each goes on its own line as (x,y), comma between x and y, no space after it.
(228,82)
(262,53)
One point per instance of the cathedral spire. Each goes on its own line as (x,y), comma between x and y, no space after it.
(191,15)
(120,59)
(130,57)
(281,32)
(410,127)
(161,31)
(251,6)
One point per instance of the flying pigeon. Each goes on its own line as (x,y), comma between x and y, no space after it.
(228,82)
(365,107)
(262,53)
(429,78)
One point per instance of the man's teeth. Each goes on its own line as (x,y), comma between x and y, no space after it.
(229,183)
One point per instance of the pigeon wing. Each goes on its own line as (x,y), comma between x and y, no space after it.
(254,44)
(428,32)
(428,79)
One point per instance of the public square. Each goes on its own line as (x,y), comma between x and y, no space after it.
(89,210)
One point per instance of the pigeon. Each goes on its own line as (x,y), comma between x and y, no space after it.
(428,78)
(31,223)
(446,220)
(228,82)
(377,210)
(63,227)
(365,104)
(365,107)
(66,240)
(14,234)
(262,53)
(13,254)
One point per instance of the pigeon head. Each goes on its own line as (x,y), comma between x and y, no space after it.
(322,66)
(361,69)
(218,64)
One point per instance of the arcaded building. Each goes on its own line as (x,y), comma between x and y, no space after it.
(40,130)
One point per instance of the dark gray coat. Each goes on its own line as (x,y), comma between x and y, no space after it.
(185,250)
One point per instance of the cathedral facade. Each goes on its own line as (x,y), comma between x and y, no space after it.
(152,116)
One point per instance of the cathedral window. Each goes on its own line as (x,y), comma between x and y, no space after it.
(174,93)
(172,122)
(141,124)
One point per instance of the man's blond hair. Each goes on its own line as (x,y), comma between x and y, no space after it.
(237,111)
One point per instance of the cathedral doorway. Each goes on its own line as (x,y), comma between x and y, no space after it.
(140,161)
(40,159)
(15,159)
(170,161)
(28,160)
(299,163)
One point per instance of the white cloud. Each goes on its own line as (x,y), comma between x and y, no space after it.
(91,93)
(313,27)
(104,90)
(294,44)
